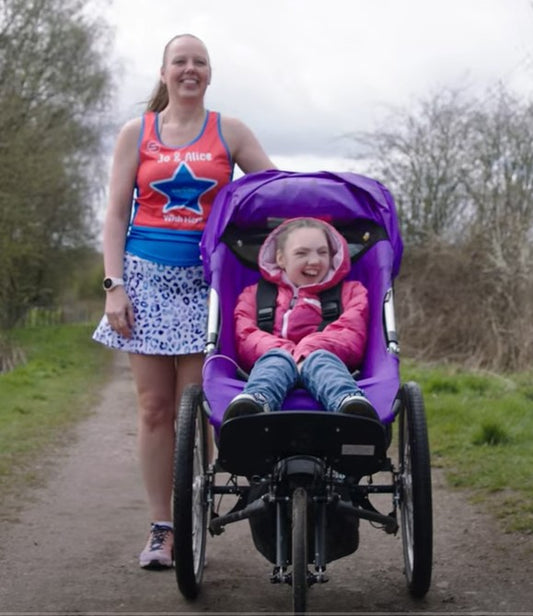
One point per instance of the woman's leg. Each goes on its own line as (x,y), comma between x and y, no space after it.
(328,379)
(189,370)
(156,381)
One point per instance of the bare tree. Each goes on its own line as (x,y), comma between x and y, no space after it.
(461,171)
(55,85)
(420,156)
(500,192)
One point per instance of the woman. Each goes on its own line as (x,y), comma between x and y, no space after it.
(167,168)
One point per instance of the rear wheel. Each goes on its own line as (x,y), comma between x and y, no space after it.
(415,500)
(190,506)
(299,550)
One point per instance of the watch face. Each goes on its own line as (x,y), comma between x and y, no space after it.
(110,283)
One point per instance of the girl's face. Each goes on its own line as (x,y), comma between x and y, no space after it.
(305,257)
(186,69)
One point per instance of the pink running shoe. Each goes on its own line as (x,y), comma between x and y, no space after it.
(158,553)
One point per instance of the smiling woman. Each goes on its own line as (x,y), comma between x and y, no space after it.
(170,164)
(178,56)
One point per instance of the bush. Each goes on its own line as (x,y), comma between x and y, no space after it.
(456,303)
(491,433)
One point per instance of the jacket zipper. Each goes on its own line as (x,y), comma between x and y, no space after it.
(285,320)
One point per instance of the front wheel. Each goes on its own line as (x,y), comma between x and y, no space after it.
(190,506)
(415,496)
(299,550)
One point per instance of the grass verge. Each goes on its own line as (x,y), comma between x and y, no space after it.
(480,425)
(46,395)
(481,434)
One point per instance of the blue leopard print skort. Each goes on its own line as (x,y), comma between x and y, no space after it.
(170,309)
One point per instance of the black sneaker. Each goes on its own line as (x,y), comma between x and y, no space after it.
(357,404)
(246,404)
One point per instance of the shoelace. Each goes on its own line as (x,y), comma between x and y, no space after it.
(159,535)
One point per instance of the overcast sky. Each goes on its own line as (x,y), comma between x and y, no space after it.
(301,73)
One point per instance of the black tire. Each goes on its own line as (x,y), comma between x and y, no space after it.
(190,506)
(299,550)
(415,499)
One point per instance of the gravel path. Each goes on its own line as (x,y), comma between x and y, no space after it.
(71,546)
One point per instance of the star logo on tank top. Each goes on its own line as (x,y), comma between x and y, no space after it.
(183,190)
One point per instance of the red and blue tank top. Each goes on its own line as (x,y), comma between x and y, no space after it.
(174,191)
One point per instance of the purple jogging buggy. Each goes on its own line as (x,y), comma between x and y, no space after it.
(302,477)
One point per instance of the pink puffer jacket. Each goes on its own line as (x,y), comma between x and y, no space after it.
(295,327)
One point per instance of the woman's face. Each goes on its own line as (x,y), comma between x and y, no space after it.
(305,257)
(186,70)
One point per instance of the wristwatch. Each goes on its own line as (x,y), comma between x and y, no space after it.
(110,283)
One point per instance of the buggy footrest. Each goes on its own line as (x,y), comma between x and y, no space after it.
(252,444)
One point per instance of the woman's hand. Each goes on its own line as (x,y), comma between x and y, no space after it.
(119,311)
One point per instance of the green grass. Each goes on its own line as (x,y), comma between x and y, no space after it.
(44,397)
(480,425)
(481,434)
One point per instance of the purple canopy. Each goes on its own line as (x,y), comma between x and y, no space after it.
(252,199)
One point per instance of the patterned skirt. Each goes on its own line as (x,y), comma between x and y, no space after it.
(170,309)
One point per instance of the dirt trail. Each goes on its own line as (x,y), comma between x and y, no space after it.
(71,546)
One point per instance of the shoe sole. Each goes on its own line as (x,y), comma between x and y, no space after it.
(156,565)
(241,409)
(360,409)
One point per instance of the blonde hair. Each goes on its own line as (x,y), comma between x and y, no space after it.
(159,98)
(301,223)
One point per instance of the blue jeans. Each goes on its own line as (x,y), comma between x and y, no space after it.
(322,373)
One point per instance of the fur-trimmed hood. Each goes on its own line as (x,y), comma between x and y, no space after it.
(340,261)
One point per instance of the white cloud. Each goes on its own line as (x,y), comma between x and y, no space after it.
(301,73)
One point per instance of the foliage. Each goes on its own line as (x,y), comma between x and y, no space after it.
(458,166)
(461,172)
(454,306)
(491,433)
(54,88)
(10,354)
(45,395)
(481,433)
(420,156)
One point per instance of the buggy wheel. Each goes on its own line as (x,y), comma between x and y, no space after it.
(299,550)
(190,505)
(415,498)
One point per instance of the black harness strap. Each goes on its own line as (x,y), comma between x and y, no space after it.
(266,295)
(267,292)
(330,301)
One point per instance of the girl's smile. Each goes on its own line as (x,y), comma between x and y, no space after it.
(305,257)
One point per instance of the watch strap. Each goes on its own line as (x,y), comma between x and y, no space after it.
(110,282)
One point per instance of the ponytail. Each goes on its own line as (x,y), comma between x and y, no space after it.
(159,99)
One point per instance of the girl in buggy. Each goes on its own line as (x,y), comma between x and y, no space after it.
(303,258)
